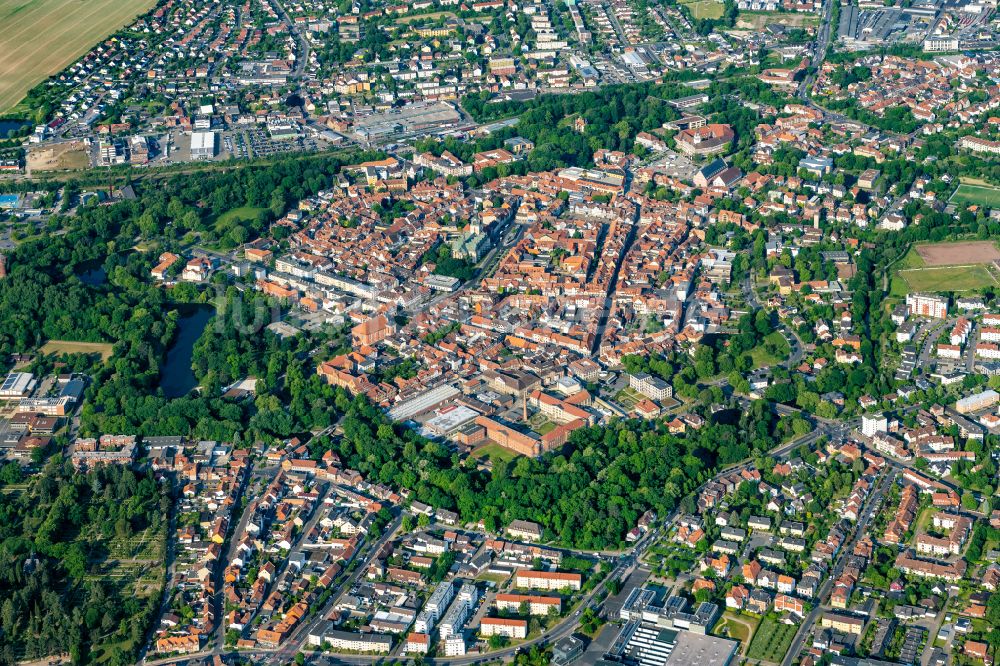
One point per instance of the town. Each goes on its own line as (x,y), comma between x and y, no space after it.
(543,332)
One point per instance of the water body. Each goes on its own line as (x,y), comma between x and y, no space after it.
(177,378)
(92,273)
(8,125)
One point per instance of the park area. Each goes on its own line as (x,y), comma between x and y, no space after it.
(772,640)
(738,627)
(978,194)
(41,37)
(948,267)
(772,351)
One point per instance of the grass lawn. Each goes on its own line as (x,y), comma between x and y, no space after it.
(911,259)
(420,17)
(70,347)
(493,578)
(705,9)
(943,278)
(628,398)
(982,195)
(40,37)
(923,520)
(737,627)
(771,641)
(545,428)
(494,452)
(242,214)
(761,356)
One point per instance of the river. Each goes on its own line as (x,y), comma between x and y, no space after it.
(177,378)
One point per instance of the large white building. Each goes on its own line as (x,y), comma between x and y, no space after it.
(456,616)
(500,626)
(537,605)
(927,305)
(650,386)
(455,646)
(872,424)
(977,401)
(17,385)
(202,145)
(548,580)
(434,608)
(346,640)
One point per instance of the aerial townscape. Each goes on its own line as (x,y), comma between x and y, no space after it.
(454,332)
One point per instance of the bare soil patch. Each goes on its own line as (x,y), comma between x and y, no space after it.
(948,254)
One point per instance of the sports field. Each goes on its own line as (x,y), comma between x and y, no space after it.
(980,195)
(948,267)
(40,37)
(949,278)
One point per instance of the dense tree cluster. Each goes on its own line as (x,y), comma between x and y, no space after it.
(614,115)
(587,494)
(54,535)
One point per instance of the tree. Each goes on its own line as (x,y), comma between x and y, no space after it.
(10,474)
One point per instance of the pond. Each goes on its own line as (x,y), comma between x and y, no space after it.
(6,125)
(92,273)
(177,378)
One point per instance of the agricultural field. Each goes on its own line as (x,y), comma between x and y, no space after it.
(948,267)
(41,37)
(980,195)
(772,640)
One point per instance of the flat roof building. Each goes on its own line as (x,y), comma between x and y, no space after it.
(17,385)
(202,145)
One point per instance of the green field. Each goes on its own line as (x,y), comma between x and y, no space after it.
(242,214)
(737,627)
(762,354)
(946,278)
(494,452)
(977,194)
(913,273)
(40,37)
(771,641)
(705,9)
